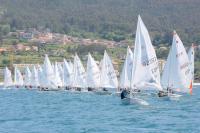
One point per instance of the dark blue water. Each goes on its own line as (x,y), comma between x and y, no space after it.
(25,111)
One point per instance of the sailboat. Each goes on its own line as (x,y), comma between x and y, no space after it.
(27,78)
(18,78)
(7,78)
(191,66)
(108,77)
(49,76)
(41,78)
(93,74)
(67,75)
(125,77)
(57,79)
(60,70)
(34,78)
(176,74)
(145,73)
(79,75)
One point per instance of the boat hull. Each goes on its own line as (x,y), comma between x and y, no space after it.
(138,101)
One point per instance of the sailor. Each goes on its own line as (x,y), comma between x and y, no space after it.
(78,88)
(124,94)
(104,89)
(136,90)
(67,88)
(169,90)
(90,89)
(121,89)
(162,94)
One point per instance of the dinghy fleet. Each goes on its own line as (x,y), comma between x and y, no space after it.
(140,72)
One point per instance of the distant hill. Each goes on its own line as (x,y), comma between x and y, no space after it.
(109,19)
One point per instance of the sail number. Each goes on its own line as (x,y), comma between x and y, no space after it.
(150,61)
(179,54)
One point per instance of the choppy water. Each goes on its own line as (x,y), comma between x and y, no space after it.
(24,111)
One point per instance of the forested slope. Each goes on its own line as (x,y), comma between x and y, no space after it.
(110,19)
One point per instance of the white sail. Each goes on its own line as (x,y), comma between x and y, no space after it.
(60,69)
(34,77)
(108,78)
(27,78)
(71,65)
(41,77)
(67,74)
(100,65)
(57,78)
(191,60)
(48,73)
(145,71)
(176,71)
(125,77)
(53,66)
(7,78)
(93,73)
(18,78)
(79,75)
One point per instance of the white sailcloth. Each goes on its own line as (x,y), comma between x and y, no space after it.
(191,60)
(125,77)
(27,78)
(18,79)
(79,77)
(41,77)
(176,71)
(108,78)
(60,69)
(48,73)
(53,66)
(7,78)
(71,65)
(93,73)
(57,79)
(67,74)
(34,77)
(145,71)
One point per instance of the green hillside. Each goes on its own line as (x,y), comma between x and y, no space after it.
(109,19)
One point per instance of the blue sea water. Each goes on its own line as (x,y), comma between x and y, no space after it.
(25,111)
